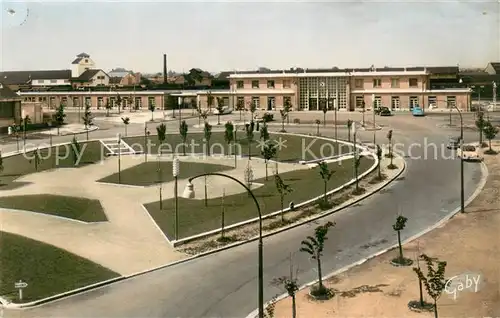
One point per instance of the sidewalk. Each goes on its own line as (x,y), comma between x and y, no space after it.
(469,242)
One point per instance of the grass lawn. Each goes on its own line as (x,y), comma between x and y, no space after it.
(55,157)
(81,209)
(146,174)
(48,270)
(195,218)
(294,149)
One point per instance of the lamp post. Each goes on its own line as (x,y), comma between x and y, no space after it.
(189,194)
(119,160)
(462,194)
(335,104)
(175,173)
(373,111)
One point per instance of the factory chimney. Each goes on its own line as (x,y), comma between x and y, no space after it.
(165,75)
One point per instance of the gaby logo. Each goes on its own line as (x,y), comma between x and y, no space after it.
(460,283)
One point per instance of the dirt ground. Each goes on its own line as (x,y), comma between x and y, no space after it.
(470,243)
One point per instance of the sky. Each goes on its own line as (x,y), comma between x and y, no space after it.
(235,35)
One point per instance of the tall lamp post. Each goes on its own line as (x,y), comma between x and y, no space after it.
(175,173)
(119,159)
(374,126)
(189,194)
(462,194)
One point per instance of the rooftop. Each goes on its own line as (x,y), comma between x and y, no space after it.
(22,77)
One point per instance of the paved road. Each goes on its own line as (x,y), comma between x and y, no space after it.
(225,284)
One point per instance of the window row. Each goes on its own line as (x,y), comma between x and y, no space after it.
(412,101)
(101,101)
(377,82)
(271,102)
(270,84)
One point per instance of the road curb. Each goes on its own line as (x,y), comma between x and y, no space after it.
(70,293)
(484,170)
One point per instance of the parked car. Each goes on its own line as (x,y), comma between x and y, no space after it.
(453,143)
(469,153)
(417,111)
(385,111)
(225,110)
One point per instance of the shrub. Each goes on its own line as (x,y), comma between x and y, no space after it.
(324,205)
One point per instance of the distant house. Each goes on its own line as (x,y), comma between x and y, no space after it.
(10,107)
(493,68)
(91,78)
(129,79)
(82,63)
(119,72)
(16,80)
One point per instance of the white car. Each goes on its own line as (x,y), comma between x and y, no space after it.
(225,111)
(469,152)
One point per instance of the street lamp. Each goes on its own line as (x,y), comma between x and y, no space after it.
(189,194)
(119,159)
(373,111)
(175,173)
(462,195)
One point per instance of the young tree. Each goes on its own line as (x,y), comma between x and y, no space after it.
(390,154)
(210,101)
(207,130)
(240,106)
(284,115)
(379,157)
(248,176)
(87,119)
(314,245)
(119,102)
(283,190)
(264,133)
(349,126)
(220,108)
(183,131)
(287,107)
(108,107)
(152,108)
(318,122)
(291,285)
(249,135)
(75,150)
(161,130)
(24,124)
(398,227)
(357,163)
(253,109)
(268,151)
(326,174)
(37,159)
(229,135)
(480,124)
(490,133)
(325,110)
(435,281)
(59,117)
(126,122)
(204,115)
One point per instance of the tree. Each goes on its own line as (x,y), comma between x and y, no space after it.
(390,154)
(398,227)
(37,159)
(314,245)
(59,117)
(480,124)
(287,107)
(283,190)
(435,281)
(24,124)
(349,126)
(75,150)
(210,101)
(240,106)
(152,108)
(161,130)
(204,115)
(220,108)
(248,176)
(108,107)
(249,135)
(207,130)
(183,130)
(126,122)
(229,135)
(490,133)
(357,163)
(325,110)
(379,157)
(268,151)
(87,119)
(253,109)
(318,122)
(264,133)
(118,102)
(291,285)
(326,174)
(284,115)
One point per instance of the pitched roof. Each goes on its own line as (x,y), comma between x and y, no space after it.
(7,93)
(21,77)
(496,67)
(80,57)
(115,80)
(88,74)
(443,69)
(83,54)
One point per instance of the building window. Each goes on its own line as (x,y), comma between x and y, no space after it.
(377,102)
(377,82)
(359,101)
(53,81)
(88,101)
(64,101)
(432,101)
(239,84)
(86,61)
(270,84)
(413,82)
(41,81)
(413,101)
(100,102)
(395,102)
(255,84)
(151,102)
(359,83)
(76,102)
(240,102)
(287,84)
(451,101)
(138,102)
(271,103)
(287,100)
(394,82)
(256,102)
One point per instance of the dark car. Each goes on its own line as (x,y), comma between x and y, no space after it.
(385,111)
(453,143)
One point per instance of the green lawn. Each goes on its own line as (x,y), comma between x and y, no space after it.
(146,174)
(295,148)
(48,270)
(82,209)
(55,157)
(195,218)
